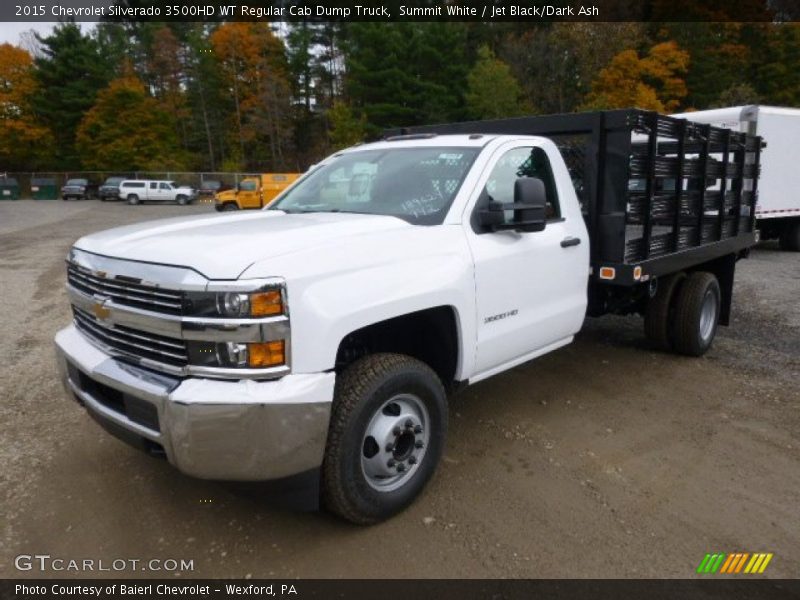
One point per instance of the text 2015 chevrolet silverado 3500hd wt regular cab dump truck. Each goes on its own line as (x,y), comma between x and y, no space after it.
(321,335)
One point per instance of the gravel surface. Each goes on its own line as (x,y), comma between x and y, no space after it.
(603,459)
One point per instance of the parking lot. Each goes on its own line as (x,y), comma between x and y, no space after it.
(603,459)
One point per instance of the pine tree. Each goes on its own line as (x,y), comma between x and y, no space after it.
(70,72)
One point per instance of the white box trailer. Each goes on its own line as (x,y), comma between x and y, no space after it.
(778,208)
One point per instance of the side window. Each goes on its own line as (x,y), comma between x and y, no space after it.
(153,185)
(523,162)
(165,186)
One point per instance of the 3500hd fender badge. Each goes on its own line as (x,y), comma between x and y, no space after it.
(505,315)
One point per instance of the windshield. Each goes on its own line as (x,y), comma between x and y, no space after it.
(114,180)
(77,182)
(414,184)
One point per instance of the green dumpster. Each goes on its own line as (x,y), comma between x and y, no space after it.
(9,188)
(44,188)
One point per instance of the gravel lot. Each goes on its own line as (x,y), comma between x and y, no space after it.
(604,459)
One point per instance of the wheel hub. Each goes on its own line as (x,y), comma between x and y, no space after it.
(395,442)
(708,316)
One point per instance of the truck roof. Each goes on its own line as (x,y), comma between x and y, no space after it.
(475,140)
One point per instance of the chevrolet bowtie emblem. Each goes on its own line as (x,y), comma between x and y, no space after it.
(100,311)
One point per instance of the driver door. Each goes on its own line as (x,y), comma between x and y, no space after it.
(531,287)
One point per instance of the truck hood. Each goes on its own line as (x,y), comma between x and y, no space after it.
(224,246)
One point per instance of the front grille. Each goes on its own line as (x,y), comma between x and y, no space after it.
(125,292)
(131,341)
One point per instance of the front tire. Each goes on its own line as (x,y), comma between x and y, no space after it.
(386,436)
(182,200)
(133,199)
(697,312)
(229,206)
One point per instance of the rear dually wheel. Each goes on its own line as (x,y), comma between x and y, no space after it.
(697,310)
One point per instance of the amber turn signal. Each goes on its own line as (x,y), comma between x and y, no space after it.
(268,354)
(265,304)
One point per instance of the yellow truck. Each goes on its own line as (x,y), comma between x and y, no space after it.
(254,192)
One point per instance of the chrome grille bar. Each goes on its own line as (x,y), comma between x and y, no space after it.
(131,341)
(125,292)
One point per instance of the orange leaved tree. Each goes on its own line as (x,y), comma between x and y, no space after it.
(652,82)
(23,140)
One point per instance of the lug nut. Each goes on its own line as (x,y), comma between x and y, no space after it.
(389,447)
(418,429)
(412,460)
(409,423)
(390,463)
(401,467)
(419,444)
(397,431)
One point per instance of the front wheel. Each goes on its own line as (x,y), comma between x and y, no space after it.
(697,312)
(183,200)
(133,199)
(229,206)
(387,433)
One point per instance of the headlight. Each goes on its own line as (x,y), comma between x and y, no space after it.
(233,304)
(257,355)
(236,305)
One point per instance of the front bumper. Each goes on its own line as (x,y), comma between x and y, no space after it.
(227,430)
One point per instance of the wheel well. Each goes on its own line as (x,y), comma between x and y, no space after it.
(429,335)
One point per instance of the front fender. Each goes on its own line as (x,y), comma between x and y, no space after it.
(351,286)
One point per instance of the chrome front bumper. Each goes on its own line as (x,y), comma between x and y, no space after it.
(227,430)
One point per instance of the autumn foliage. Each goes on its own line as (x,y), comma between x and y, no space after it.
(247,96)
(651,82)
(23,140)
(128,130)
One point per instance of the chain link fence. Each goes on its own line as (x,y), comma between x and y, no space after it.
(31,185)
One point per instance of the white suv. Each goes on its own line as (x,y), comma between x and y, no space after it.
(138,190)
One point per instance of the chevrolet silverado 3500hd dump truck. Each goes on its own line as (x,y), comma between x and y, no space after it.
(320,336)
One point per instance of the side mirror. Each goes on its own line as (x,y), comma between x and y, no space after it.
(529,208)
(530,202)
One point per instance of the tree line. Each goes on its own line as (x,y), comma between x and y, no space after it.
(255,97)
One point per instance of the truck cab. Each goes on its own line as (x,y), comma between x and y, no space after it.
(254,192)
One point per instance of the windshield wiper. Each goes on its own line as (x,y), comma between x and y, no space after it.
(291,211)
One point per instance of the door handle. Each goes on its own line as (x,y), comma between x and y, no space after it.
(570,241)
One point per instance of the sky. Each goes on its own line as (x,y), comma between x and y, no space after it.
(9,32)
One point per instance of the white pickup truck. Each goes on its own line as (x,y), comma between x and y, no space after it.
(322,335)
(137,191)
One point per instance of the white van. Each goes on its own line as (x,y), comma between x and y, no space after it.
(141,190)
(778,208)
